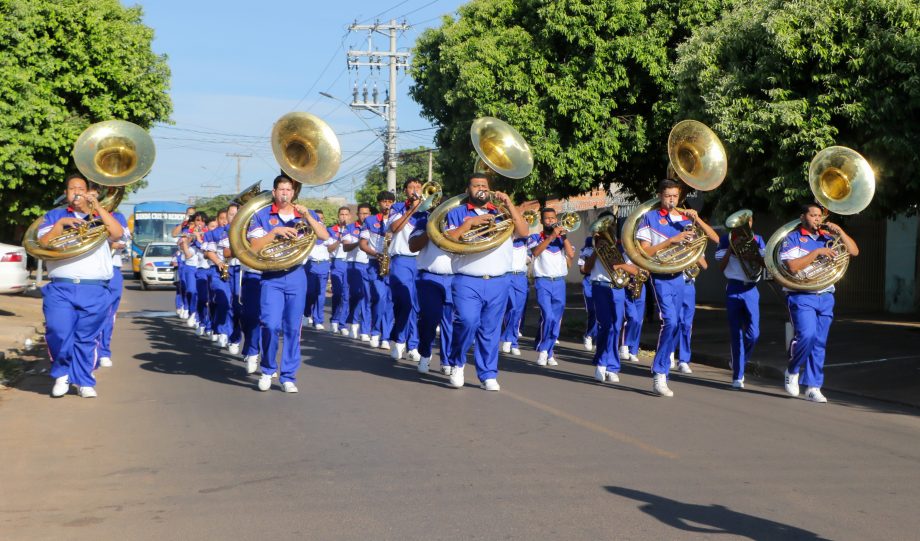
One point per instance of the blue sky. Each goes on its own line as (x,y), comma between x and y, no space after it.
(237,66)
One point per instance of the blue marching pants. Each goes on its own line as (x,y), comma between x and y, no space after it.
(635,314)
(517,303)
(669,293)
(339,292)
(811,316)
(359,295)
(220,305)
(317,278)
(403,275)
(381,313)
(236,333)
(591,323)
(610,303)
(189,287)
(687,311)
(74,315)
(551,299)
(436,307)
(115,289)
(251,298)
(478,307)
(180,288)
(742,301)
(281,305)
(201,285)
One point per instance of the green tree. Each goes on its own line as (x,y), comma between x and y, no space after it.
(411,163)
(586,82)
(781,80)
(65,64)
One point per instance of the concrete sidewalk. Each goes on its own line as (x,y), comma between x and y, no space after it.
(870,355)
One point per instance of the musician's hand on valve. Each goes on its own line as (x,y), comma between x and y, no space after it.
(284,232)
(559,231)
(71,222)
(825,252)
(480,220)
(504,198)
(683,236)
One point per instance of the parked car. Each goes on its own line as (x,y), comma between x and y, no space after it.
(14,278)
(158,264)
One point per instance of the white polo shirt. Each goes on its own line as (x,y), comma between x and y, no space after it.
(551,263)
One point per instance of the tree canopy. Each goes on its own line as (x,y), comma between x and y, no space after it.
(782,80)
(412,163)
(586,82)
(65,64)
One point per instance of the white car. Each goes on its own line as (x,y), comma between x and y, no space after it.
(158,265)
(14,278)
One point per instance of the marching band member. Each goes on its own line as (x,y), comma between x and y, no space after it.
(552,254)
(610,306)
(283,293)
(436,307)
(250,314)
(115,287)
(235,279)
(373,235)
(517,297)
(181,227)
(221,324)
(742,302)
(480,285)
(338,271)
(190,268)
(203,281)
(685,326)
(632,323)
(317,269)
(359,295)
(403,272)
(811,312)
(76,301)
(586,289)
(659,229)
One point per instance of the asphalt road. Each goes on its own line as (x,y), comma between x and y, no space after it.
(180,445)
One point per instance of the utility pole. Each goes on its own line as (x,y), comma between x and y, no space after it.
(239,166)
(378,59)
(430,165)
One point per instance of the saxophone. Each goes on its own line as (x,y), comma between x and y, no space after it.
(385,256)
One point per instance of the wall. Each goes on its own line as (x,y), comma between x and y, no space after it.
(900,264)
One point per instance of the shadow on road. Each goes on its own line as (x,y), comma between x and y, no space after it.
(711,519)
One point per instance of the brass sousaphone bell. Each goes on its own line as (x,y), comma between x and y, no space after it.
(502,151)
(308,151)
(112,154)
(843,182)
(698,159)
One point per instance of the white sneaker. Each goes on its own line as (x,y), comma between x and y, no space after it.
(520,334)
(813,394)
(345,332)
(437,330)
(265,382)
(633,359)
(541,358)
(613,377)
(445,369)
(516,352)
(366,338)
(105,362)
(456,377)
(600,373)
(90,392)
(552,361)
(506,347)
(335,327)
(684,368)
(423,365)
(178,312)
(660,385)
(252,363)
(61,386)
(673,362)
(308,321)
(792,383)
(491,384)
(354,330)
(589,343)
(199,331)
(234,349)
(414,355)
(223,340)
(319,327)
(385,344)
(289,387)
(192,321)
(738,384)
(397,352)
(624,353)
(213,336)
(375,341)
